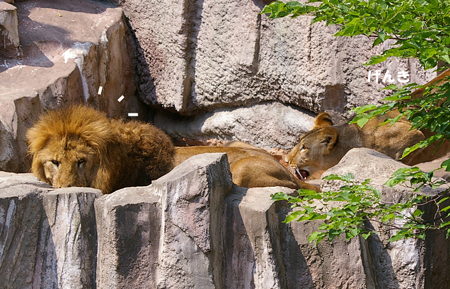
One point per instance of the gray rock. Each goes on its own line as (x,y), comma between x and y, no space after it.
(47,238)
(129,233)
(71,218)
(253,243)
(404,263)
(9,40)
(166,235)
(193,228)
(282,125)
(192,199)
(198,55)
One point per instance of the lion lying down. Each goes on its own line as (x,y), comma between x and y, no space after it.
(79,147)
(325,145)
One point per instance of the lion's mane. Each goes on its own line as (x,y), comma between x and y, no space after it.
(127,153)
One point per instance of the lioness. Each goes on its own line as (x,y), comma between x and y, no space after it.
(325,145)
(79,146)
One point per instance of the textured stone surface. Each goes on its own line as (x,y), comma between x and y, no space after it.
(193,228)
(251,242)
(192,198)
(129,232)
(9,40)
(217,54)
(47,238)
(282,125)
(404,263)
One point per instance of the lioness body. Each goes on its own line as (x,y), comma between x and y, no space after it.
(79,146)
(249,167)
(325,145)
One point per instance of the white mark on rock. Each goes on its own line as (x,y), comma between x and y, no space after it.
(121,98)
(100,90)
(133,114)
(77,53)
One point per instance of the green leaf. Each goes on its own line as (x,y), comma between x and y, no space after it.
(446,165)
(376,59)
(445,209)
(316,237)
(294,215)
(417,213)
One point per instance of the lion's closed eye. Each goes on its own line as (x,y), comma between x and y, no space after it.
(55,162)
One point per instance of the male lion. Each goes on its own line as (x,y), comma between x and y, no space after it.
(79,146)
(325,145)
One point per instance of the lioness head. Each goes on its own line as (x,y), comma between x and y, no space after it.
(68,147)
(312,155)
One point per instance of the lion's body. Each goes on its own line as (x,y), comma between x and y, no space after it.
(249,167)
(79,146)
(325,145)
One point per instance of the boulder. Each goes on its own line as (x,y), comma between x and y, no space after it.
(129,233)
(9,40)
(47,237)
(198,55)
(405,263)
(282,125)
(167,235)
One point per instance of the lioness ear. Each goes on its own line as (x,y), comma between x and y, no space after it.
(328,137)
(323,120)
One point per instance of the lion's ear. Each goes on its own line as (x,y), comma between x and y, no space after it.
(323,120)
(328,137)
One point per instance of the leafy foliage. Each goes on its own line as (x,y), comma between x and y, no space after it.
(420,28)
(346,212)
(417,29)
(430,112)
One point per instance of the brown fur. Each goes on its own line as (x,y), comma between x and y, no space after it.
(325,145)
(249,167)
(79,146)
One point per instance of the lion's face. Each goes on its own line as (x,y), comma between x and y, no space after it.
(313,154)
(67,163)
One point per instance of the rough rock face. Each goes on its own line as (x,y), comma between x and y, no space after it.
(47,237)
(405,263)
(191,229)
(69,49)
(8,30)
(282,125)
(209,54)
(202,57)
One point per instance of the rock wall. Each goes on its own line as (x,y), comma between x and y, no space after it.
(194,229)
(201,58)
